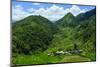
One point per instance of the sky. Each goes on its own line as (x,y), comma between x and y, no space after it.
(51,11)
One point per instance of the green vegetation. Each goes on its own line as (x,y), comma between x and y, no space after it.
(43,58)
(36,40)
(39,58)
(32,34)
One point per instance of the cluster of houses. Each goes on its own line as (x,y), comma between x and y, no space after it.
(65,52)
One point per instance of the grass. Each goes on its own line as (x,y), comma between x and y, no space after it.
(75,58)
(35,59)
(90,55)
(43,58)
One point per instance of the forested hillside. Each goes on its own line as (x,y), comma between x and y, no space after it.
(70,39)
(32,34)
(76,34)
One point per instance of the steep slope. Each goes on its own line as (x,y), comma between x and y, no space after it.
(31,34)
(67,20)
(87,15)
(64,39)
(87,27)
(88,35)
(76,33)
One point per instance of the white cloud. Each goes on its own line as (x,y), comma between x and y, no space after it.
(56,10)
(40,11)
(31,10)
(75,10)
(18,13)
(36,3)
(53,13)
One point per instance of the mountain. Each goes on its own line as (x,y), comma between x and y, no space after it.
(86,15)
(76,32)
(31,34)
(72,21)
(67,20)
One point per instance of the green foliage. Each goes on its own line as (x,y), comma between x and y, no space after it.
(32,34)
(39,58)
(43,58)
(62,40)
(67,21)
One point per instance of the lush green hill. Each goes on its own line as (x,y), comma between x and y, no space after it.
(67,20)
(32,34)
